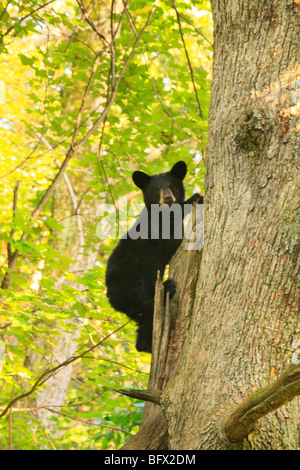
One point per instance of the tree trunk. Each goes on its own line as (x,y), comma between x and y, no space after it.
(72,244)
(233,324)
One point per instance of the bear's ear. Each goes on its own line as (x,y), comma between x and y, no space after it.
(140,179)
(179,170)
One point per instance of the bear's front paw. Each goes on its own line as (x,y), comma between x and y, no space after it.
(169,286)
(197,198)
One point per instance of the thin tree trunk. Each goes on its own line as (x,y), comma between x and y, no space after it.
(236,317)
(71,243)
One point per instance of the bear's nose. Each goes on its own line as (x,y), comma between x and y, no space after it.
(168,199)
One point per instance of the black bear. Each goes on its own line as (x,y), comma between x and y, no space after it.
(133,265)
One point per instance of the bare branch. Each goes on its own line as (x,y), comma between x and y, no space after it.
(262,402)
(102,167)
(11,257)
(54,183)
(30,157)
(112,49)
(4,9)
(154,396)
(75,206)
(24,18)
(115,362)
(90,22)
(188,59)
(15,202)
(196,29)
(80,200)
(37,408)
(78,119)
(88,423)
(10,428)
(48,373)
(150,76)
(118,81)
(71,150)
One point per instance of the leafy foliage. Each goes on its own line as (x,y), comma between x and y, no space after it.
(59,74)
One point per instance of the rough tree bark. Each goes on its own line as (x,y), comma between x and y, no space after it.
(233,324)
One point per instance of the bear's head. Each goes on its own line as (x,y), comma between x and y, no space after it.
(165,188)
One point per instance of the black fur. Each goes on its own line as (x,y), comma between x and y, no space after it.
(132,267)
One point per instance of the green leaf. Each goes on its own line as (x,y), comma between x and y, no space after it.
(52,223)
